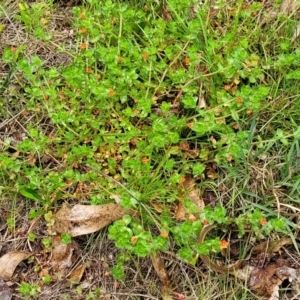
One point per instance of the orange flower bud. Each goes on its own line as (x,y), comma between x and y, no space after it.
(111,92)
(83,45)
(145,55)
(134,239)
(263,221)
(223,244)
(145,160)
(164,234)
(187,61)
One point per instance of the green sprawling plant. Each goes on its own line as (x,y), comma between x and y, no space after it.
(146,77)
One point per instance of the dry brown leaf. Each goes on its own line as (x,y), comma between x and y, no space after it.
(293,276)
(201,101)
(61,257)
(158,207)
(9,262)
(273,247)
(180,212)
(265,281)
(192,192)
(184,146)
(187,152)
(31,160)
(161,271)
(77,274)
(5,291)
(188,190)
(85,219)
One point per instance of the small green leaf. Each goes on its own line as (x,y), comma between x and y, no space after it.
(186,254)
(297,133)
(35,213)
(198,169)
(66,238)
(31,194)
(126,219)
(118,272)
(31,236)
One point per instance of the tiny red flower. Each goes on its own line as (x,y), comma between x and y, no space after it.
(83,30)
(205,222)
(164,234)
(227,87)
(223,244)
(134,239)
(89,70)
(239,99)
(145,160)
(263,221)
(83,45)
(82,16)
(145,55)
(187,61)
(111,92)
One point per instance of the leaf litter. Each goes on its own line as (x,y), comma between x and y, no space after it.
(10,261)
(84,219)
(5,291)
(77,225)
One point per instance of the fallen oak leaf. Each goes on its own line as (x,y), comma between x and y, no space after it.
(10,261)
(84,219)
